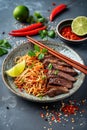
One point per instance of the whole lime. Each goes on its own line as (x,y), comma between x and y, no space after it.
(21,13)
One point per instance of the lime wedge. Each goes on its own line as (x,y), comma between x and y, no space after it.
(79,25)
(16,70)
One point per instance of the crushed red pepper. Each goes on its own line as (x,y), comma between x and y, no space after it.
(69,109)
(67,33)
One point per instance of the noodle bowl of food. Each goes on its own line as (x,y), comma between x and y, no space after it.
(45,78)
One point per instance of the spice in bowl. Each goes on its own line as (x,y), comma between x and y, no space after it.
(73,30)
(66,32)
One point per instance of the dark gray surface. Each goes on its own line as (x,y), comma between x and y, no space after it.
(19,114)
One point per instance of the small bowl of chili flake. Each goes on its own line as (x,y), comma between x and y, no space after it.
(65,33)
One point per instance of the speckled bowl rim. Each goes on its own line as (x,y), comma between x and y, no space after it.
(44,99)
(72,41)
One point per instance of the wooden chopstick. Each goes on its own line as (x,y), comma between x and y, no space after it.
(66,59)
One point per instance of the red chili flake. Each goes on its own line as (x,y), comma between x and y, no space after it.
(58,119)
(69,109)
(54,4)
(52,118)
(42,115)
(45,71)
(83,111)
(67,33)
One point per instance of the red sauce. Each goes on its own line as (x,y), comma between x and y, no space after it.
(67,33)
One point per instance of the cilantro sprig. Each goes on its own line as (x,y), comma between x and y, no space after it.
(41,52)
(4,46)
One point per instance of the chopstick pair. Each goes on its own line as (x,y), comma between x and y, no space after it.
(66,59)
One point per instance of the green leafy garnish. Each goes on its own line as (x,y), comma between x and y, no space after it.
(56,72)
(44,77)
(31,66)
(44,50)
(51,34)
(37,15)
(42,20)
(31,53)
(4,46)
(40,96)
(45,33)
(30,19)
(41,56)
(3,51)
(41,53)
(36,48)
(50,66)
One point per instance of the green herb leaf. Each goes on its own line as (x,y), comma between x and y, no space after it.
(43,33)
(44,50)
(51,34)
(50,66)
(37,15)
(41,56)
(56,72)
(31,53)
(44,77)
(31,66)
(37,48)
(3,51)
(42,20)
(5,44)
(30,19)
(40,96)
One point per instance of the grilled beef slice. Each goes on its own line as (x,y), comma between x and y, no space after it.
(52,59)
(60,81)
(55,73)
(53,91)
(65,69)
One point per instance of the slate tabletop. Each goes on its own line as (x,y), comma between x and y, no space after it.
(19,114)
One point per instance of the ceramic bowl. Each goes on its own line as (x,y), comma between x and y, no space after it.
(65,23)
(21,50)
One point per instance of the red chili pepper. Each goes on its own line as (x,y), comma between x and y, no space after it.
(28,28)
(29,33)
(57,10)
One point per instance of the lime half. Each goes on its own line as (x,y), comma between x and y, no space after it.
(16,70)
(79,25)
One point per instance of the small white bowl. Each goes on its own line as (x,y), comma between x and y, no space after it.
(64,23)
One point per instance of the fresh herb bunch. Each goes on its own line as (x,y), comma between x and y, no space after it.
(37,17)
(4,46)
(40,53)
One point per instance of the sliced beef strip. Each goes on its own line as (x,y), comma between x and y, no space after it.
(53,91)
(60,81)
(55,73)
(54,60)
(66,69)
